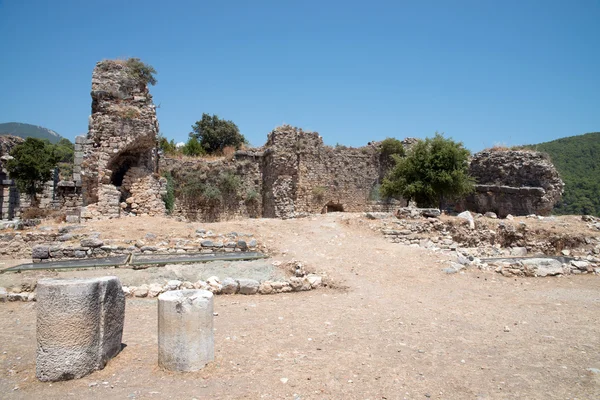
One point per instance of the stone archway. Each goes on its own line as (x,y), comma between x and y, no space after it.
(332,206)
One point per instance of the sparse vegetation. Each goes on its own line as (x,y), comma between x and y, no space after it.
(318,193)
(193,148)
(169,197)
(391,146)
(142,71)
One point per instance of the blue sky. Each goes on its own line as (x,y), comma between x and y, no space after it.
(484,72)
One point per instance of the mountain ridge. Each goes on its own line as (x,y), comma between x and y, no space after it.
(24,130)
(577,159)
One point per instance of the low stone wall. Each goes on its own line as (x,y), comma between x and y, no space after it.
(302,281)
(67,243)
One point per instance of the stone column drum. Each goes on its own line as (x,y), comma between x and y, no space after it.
(79,326)
(185,330)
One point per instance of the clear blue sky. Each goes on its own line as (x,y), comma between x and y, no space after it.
(484,72)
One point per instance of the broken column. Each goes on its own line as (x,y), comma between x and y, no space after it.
(185,330)
(79,326)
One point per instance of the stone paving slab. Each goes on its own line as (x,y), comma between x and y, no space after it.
(134,260)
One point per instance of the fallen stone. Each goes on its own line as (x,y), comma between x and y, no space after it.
(466,215)
(141,291)
(229,286)
(314,280)
(490,214)
(91,242)
(79,326)
(214,284)
(581,265)
(3,295)
(154,289)
(201,285)
(541,267)
(378,215)
(40,252)
(248,286)
(172,285)
(430,212)
(265,288)
(518,251)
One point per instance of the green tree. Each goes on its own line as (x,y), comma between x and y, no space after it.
(168,147)
(64,151)
(32,164)
(434,170)
(193,148)
(214,134)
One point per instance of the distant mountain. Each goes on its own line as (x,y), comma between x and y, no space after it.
(28,130)
(577,159)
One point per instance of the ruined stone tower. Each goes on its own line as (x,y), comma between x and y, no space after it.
(119,165)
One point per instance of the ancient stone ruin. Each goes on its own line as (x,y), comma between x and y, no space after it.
(119,161)
(118,170)
(515,182)
(293,174)
(9,195)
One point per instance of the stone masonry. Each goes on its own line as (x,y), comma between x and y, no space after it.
(121,142)
(513,182)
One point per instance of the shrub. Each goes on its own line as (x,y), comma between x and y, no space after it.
(169,197)
(319,193)
(230,182)
(141,71)
(392,146)
(252,196)
(193,148)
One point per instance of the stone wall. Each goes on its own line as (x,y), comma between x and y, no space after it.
(302,175)
(513,182)
(212,190)
(122,135)
(9,195)
(294,174)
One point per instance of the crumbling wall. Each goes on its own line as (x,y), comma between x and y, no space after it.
(122,135)
(9,195)
(212,190)
(513,182)
(303,175)
(293,174)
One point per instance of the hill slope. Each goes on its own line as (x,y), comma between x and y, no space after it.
(28,130)
(577,159)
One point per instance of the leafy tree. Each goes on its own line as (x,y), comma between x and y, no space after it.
(168,147)
(435,169)
(141,71)
(193,147)
(64,151)
(32,165)
(214,134)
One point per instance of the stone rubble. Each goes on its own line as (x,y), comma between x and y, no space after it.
(472,240)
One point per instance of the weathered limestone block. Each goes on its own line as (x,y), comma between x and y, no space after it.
(185,330)
(79,326)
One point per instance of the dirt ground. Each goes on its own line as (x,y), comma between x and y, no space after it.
(393,326)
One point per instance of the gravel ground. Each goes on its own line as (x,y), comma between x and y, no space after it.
(393,326)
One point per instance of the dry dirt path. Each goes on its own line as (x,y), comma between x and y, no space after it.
(395,327)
